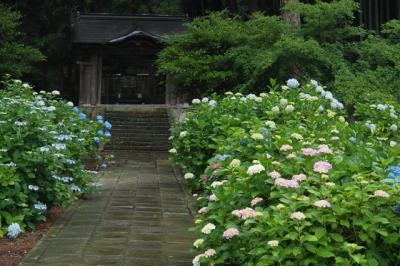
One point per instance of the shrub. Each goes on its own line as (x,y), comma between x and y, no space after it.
(293,181)
(43,141)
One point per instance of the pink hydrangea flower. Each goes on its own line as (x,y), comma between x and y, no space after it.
(381,193)
(322,167)
(299,177)
(215,166)
(322,204)
(274,174)
(298,216)
(255,201)
(286,147)
(230,233)
(245,214)
(204,178)
(309,151)
(209,253)
(287,183)
(324,149)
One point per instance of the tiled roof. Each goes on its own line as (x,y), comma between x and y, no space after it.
(102,29)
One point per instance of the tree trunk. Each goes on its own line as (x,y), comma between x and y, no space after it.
(232,6)
(289,16)
(252,5)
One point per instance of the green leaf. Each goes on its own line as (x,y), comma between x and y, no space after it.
(325,253)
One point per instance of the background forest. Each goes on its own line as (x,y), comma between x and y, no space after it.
(232,50)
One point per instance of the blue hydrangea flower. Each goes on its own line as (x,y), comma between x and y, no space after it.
(221,157)
(70,162)
(13,230)
(41,207)
(96,139)
(82,116)
(107,134)
(352,139)
(99,117)
(99,157)
(292,83)
(397,209)
(103,166)
(100,132)
(75,109)
(75,188)
(107,125)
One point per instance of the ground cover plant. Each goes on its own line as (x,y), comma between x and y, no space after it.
(43,141)
(288,178)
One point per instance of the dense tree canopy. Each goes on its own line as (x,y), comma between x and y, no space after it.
(16,57)
(229,53)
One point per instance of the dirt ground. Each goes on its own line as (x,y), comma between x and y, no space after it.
(12,251)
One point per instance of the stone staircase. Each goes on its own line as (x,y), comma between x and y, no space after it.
(138,130)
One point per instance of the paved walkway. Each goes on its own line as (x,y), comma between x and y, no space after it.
(140,217)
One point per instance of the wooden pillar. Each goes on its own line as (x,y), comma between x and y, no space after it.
(85,82)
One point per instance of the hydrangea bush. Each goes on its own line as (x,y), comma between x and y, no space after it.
(43,142)
(288,178)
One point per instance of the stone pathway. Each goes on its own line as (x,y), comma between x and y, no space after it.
(140,217)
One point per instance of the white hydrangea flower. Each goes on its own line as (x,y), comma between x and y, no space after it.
(183,134)
(196,101)
(216,184)
(257,136)
(208,228)
(251,96)
(275,109)
(235,163)
(289,109)
(314,82)
(273,243)
(71,104)
(270,124)
(204,100)
(55,93)
(393,127)
(198,242)
(172,150)
(283,102)
(212,103)
(188,176)
(255,169)
(319,89)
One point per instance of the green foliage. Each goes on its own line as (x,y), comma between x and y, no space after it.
(43,142)
(262,176)
(220,53)
(16,58)
(224,53)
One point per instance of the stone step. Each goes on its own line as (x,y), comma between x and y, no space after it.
(139,131)
(133,114)
(139,141)
(137,120)
(142,128)
(136,148)
(135,137)
(142,123)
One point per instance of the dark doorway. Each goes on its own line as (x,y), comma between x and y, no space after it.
(131,80)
